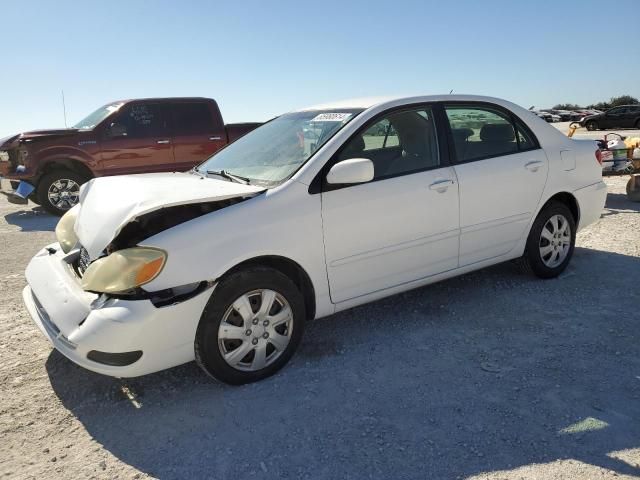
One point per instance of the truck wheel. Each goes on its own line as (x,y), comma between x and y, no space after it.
(592,125)
(251,326)
(59,190)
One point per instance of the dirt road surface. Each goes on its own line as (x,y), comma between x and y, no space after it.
(492,375)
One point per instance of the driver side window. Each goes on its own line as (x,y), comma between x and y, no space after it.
(400,143)
(140,121)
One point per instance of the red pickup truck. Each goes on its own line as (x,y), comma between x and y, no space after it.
(124,137)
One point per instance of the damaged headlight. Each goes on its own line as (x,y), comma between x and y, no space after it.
(124,270)
(65,234)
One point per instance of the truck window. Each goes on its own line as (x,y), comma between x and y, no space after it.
(142,120)
(192,118)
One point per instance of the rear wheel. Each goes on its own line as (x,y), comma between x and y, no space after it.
(551,241)
(638,124)
(251,326)
(59,190)
(592,125)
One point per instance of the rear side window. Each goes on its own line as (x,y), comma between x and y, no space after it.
(480,132)
(399,143)
(192,118)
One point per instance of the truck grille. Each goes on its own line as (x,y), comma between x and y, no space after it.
(83,261)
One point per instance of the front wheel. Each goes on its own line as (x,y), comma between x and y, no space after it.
(592,125)
(251,326)
(551,241)
(59,190)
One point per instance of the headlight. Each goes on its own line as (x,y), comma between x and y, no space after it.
(4,156)
(65,234)
(124,270)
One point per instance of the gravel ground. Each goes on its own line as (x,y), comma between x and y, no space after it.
(491,375)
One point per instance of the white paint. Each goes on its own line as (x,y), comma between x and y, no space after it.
(356,244)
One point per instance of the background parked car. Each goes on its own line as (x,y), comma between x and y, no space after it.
(624,116)
(130,136)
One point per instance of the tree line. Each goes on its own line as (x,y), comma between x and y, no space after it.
(613,102)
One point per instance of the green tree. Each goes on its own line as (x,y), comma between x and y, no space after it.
(567,106)
(616,101)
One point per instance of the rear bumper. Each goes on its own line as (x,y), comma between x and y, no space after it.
(77,323)
(591,202)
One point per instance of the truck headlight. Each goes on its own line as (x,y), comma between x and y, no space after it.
(124,270)
(65,234)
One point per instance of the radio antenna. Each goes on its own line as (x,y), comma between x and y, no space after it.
(64,110)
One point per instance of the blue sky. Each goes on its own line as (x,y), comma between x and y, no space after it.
(261,58)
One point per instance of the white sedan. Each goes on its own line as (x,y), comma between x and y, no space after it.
(225,264)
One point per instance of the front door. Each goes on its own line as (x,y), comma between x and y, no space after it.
(502,172)
(403,225)
(137,140)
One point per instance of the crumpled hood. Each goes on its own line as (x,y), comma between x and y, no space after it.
(107,204)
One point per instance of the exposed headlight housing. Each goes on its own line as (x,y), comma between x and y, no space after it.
(65,234)
(124,270)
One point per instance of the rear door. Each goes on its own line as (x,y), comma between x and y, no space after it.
(197,130)
(617,118)
(502,172)
(137,140)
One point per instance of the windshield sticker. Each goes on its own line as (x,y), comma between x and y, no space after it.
(332,117)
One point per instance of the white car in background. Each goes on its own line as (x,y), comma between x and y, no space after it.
(226,264)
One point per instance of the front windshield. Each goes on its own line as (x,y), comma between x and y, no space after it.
(97,116)
(273,152)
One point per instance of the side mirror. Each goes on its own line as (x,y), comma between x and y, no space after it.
(354,170)
(117,130)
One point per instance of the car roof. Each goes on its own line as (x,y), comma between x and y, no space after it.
(369,102)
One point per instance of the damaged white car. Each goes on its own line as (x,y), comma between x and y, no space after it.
(317,211)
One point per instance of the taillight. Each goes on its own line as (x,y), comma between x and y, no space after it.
(599,156)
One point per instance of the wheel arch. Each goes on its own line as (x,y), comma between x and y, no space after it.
(72,164)
(569,200)
(291,269)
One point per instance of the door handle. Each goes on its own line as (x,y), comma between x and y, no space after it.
(533,166)
(441,185)
(162,142)
(215,138)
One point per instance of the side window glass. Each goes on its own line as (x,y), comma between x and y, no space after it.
(140,121)
(191,119)
(480,132)
(400,143)
(525,142)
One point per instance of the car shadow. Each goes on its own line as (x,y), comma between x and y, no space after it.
(35,219)
(620,202)
(488,371)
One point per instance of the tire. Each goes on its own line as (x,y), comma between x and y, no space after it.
(246,331)
(637,124)
(543,265)
(59,181)
(633,189)
(592,125)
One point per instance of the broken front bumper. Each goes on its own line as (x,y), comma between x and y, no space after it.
(92,332)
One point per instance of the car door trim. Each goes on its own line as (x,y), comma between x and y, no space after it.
(496,223)
(396,247)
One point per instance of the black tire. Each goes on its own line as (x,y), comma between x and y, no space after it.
(532,258)
(592,125)
(206,345)
(637,124)
(48,181)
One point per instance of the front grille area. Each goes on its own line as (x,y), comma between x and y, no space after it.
(83,261)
